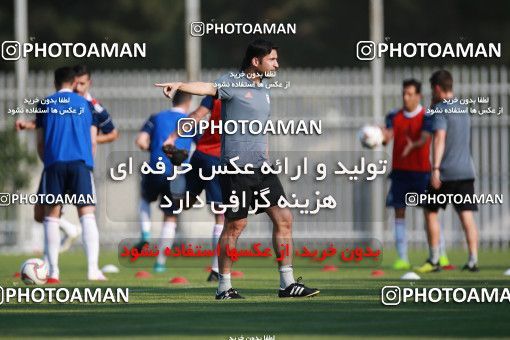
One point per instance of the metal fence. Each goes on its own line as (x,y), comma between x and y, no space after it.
(341,98)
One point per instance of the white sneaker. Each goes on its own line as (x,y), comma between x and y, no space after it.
(98,276)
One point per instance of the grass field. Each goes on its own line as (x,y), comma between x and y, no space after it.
(349,305)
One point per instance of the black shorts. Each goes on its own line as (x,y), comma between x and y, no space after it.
(462,187)
(249,186)
(156,186)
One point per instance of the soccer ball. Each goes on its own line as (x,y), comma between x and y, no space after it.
(34,272)
(370,136)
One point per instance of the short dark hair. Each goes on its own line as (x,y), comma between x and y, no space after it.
(81,70)
(180,98)
(412,82)
(442,78)
(64,75)
(257,49)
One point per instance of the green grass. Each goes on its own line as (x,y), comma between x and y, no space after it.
(348,306)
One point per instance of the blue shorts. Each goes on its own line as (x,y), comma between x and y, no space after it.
(72,178)
(404,182)
(157,186)
(195,185)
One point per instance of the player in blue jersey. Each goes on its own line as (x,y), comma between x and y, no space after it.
(65,141)
(150,138)
(106,133)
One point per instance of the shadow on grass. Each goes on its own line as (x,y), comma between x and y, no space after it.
(183,312)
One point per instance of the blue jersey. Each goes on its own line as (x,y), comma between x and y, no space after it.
(159,126)
(66,123)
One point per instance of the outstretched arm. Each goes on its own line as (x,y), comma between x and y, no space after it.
(24,124)
(197,88)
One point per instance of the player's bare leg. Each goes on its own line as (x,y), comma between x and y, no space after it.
(231,232)
(282,238)
(433,229)
(471,231)
(39,213)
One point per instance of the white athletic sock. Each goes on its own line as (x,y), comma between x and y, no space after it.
(166,240)
(473,259)
(215,238)
(91,243)
(434,254)
(286,276)
(70,229)
(401,238)
(442,242)
(52,245)
(224,283)
(145,218)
